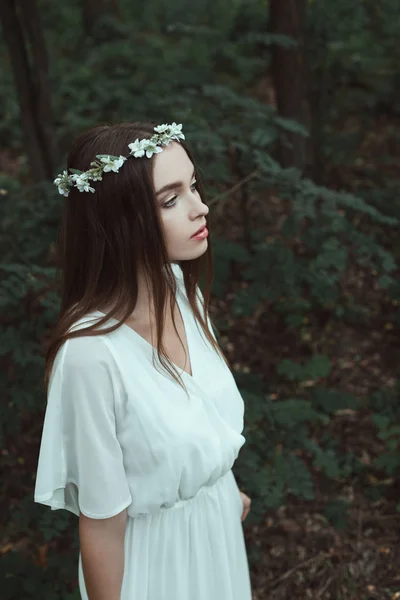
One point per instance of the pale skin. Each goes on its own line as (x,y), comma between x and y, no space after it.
(246,505)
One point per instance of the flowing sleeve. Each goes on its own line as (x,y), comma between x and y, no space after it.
(81,465)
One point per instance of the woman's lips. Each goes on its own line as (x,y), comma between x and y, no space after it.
(201,234)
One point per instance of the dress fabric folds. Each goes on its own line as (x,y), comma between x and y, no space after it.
(119,433)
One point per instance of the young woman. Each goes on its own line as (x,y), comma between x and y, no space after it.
(143,420)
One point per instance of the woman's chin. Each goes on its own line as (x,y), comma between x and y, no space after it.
(198,249)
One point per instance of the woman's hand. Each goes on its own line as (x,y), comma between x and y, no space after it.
(246,505)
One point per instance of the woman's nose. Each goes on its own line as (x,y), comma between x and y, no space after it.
(205,209)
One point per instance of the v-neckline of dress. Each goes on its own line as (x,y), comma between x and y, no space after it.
(146,344)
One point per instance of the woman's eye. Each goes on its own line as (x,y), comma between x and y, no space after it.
(168,203)
(172,201)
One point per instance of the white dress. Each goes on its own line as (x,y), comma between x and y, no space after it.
(119,434)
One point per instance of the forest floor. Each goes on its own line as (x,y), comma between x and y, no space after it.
(303,555)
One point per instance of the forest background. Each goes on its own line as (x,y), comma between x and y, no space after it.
(292,110)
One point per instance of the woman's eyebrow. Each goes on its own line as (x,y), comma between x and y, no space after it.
(173,185)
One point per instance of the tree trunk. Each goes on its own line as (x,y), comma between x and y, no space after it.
(94,9)
(289,73)
(22,31)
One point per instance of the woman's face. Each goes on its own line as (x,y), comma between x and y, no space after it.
(181,209)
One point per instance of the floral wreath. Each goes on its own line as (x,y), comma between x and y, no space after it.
(106,162)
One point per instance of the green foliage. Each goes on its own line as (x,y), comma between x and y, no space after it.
(331,400)
(317,366)
(336,512)
(279,432)
(286,474)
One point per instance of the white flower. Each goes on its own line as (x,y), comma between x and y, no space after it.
(82,176)
(175,131)
(82,182)
(113,164)
(151,149)
(118,162)
(63,183)
(137,148)
(161,128)
(107,163)
(164,135)
(141,147)
(61,178)
(63,191)
(85,187)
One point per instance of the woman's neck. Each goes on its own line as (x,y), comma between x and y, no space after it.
(143,312)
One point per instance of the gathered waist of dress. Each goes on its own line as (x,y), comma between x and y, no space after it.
(205,490)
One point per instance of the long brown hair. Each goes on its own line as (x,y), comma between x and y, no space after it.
(105,236)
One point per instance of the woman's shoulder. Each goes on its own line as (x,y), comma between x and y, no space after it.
(85,321)
(83,351)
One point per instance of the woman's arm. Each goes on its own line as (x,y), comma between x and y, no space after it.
(102,550)
(246,504)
